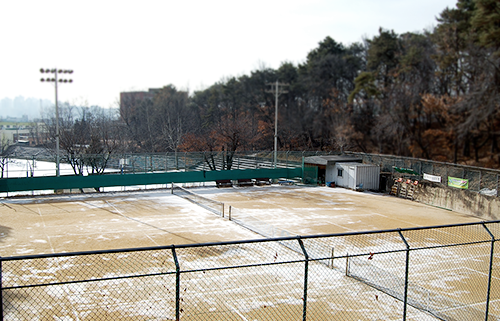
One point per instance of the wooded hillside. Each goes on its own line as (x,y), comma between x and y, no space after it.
(433,94)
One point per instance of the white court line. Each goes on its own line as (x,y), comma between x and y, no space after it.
(237,312)
(45,226)
(120,213)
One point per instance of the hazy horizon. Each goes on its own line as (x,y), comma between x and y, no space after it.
(19,106)
(124,46)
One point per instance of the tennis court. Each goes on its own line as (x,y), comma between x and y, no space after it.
(323,210)
(454,277)
(73,223)
(140,219)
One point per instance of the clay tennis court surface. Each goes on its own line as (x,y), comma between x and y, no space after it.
(72,223)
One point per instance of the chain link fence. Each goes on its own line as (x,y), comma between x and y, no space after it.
(35,163)
(250,222)
(433,273)
(479,179)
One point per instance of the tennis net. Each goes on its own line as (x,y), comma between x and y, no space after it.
(211,205)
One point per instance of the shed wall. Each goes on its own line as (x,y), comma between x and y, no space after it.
(353,175)
(369,176)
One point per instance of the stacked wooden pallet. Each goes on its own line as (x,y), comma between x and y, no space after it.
(404,188)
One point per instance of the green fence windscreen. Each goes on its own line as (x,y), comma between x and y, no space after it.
(310,175)
(96,181)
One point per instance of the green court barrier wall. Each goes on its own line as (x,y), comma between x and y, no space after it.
(108,180)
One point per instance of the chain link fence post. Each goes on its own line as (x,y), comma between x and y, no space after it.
(347,264)
(306,269)
(177,285)
(406,274)
(492,256)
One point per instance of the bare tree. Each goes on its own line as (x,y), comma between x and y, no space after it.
(4,144)
(88,137)
(171,107)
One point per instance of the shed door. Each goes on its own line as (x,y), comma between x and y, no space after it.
(352,177)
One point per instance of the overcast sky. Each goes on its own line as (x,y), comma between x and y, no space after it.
(115,46)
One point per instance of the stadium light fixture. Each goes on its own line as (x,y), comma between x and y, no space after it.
(55,81)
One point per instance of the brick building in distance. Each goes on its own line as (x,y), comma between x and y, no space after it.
(129,99)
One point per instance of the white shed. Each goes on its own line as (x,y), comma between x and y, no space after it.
(323,164)
(354,175)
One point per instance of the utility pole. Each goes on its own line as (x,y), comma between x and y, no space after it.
(275,88)
(55,80)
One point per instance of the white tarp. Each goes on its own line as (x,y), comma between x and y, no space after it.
(489,192)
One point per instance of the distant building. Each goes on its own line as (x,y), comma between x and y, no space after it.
(130,99)
(31,134)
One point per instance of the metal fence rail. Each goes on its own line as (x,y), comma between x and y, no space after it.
(447,272)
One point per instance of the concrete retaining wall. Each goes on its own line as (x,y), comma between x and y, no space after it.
(462,201)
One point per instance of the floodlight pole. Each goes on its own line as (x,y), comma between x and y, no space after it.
(55,80)
(276,126)
(57,133)
(278,92)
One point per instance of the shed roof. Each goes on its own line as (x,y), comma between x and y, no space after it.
(358,164)
(331,159)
